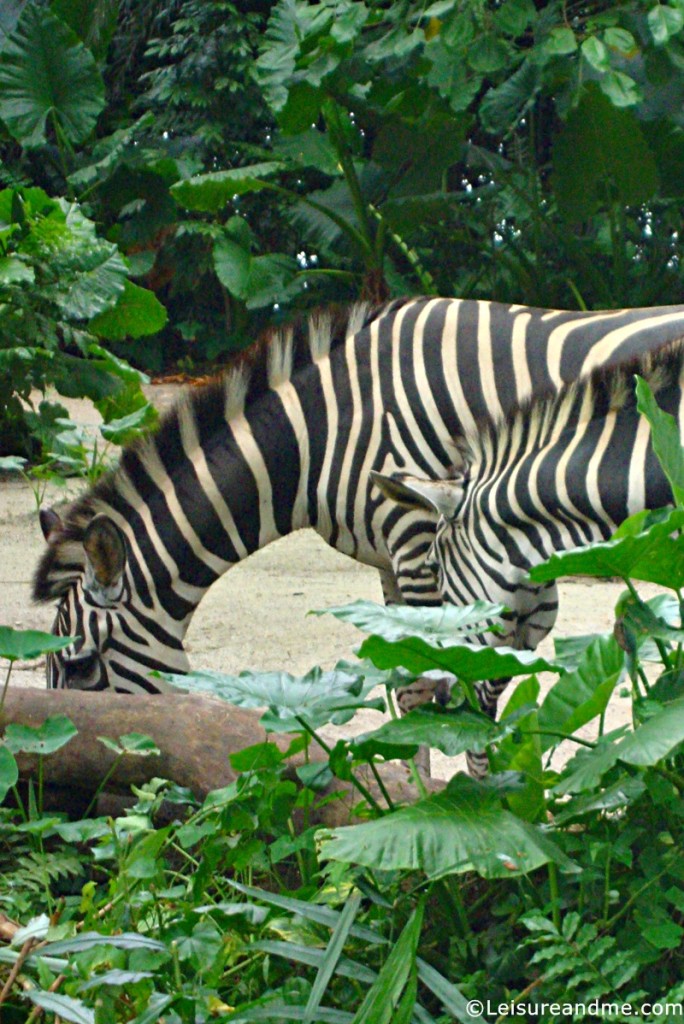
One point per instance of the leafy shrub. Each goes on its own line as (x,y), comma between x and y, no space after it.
(61,289)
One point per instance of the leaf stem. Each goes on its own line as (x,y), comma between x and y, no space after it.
(4,689)
(555,894)
(365,793)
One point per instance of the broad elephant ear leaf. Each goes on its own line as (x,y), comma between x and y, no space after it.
(47,73)
(464,828)
(93,23)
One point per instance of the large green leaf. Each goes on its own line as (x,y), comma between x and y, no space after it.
(257,280)
(93,21)
(438,626)
(655,739)
(465,828)
(584,771)
(643,548)
(232,263)
(665,437)
(601,151)
(272,278)
(125,429)
(645,746)
(279,51)
(452,732)
(16,644)
(117,367)
(503,106)
(99,280)
(210,192)
(79,378)
(470,662)
(52,735)
(310,148)
(581,695)
(318,697)
(611,798)
(137,312)
(46,72)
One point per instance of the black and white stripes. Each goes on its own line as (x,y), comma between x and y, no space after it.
(287,438)
(556,473)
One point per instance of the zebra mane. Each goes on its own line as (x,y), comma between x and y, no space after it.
(270,362)
(606,389)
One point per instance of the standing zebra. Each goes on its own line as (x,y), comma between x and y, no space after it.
(558,472)
(286,439)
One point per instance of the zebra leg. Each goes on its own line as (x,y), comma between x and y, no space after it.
(488,693)
(536,617)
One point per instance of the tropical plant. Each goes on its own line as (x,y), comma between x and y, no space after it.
(62,290)
(493,150)
(483,136)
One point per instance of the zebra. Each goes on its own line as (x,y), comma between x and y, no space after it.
(558,472)
(286,438)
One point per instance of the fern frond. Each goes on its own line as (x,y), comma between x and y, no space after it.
(577,961)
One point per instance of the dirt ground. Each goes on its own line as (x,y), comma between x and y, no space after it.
(255,617)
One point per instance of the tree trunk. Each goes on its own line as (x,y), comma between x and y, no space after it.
(195,734)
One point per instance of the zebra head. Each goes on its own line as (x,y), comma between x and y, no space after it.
(116,644)
(474,556)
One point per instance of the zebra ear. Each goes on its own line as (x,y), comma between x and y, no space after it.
(105,553)
(442,496)
(50,524)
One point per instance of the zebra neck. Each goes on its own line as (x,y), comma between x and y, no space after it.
(228,488)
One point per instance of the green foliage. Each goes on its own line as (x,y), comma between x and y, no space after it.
(56,275)
(229,158)
(47,74)
(571,879)
(246,159)
(466,828)
(28,643)
(316,698)
(577,959)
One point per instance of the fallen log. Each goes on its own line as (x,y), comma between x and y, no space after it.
(195,735)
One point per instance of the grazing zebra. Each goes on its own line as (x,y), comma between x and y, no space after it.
(287,438)
(558,472)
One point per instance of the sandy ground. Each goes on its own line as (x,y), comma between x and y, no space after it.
(255,617)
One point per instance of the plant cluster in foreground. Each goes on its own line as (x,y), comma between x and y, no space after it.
(540,885)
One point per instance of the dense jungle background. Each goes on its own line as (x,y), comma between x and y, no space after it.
(176,176)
